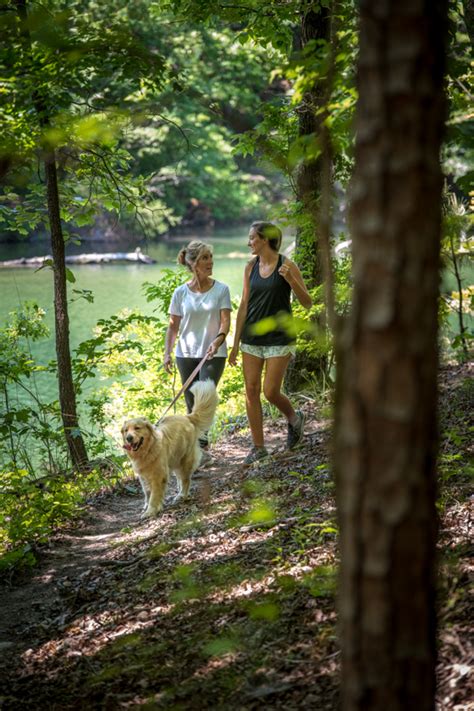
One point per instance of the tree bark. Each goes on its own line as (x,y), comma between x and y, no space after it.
(314,25)
(67,396)
(386,428)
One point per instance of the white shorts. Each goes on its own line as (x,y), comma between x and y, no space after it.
(265,352)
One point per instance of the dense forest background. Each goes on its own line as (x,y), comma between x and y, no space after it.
(150,113)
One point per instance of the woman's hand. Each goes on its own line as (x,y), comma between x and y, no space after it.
(168,363)
(170,339)
(290,272)
(233,355)
(212,350)
(286,272)
(216,344)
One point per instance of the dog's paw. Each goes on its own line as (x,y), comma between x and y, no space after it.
(148,513)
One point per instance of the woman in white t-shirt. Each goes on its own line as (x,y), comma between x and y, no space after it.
(199,320)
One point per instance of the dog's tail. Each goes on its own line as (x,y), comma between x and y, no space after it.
(205,403)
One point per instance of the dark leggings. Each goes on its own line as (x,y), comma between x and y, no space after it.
(212,369)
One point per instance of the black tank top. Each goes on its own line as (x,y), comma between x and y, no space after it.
(268,297)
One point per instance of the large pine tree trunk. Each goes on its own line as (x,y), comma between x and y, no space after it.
(67,396)
(386,430)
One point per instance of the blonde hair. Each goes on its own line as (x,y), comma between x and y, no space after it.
(189,255)
(270,232)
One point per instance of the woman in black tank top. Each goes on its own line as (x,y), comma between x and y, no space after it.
(264,310)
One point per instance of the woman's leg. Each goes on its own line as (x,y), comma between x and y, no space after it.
(212,369)
(253,367)
(186,367)
(275,369)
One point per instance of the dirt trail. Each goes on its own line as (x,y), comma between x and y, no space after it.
(35,600)
(40,600)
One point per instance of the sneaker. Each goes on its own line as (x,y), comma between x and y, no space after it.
(255,455)
(295,432)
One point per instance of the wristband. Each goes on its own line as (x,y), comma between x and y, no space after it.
(221,334)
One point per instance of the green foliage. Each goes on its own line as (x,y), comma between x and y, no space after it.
(314,339)
(163,291)
(456,464)
(269,25)
(32,509)
(277,138)
(321,582)
(26,423)
(220,646)
(189,149)
(36,496)
(456,308)
(53,61)
(267,610)
(458,151)
(140,146)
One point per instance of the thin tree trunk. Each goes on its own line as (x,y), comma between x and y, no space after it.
(315,25)
(460,305)
(67,397)
(386,428)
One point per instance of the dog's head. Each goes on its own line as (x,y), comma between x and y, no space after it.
(136,433)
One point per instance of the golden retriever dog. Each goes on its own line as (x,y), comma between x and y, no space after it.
(173,446)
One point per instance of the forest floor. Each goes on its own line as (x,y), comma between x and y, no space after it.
(227,600)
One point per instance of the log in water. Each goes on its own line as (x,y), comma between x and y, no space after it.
(93,258)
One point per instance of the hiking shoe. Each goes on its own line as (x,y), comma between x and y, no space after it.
(295,432)
(255,455)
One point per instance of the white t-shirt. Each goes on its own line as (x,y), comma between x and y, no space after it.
(200,318)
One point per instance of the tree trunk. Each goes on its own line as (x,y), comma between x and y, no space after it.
(386,429)
(314,25)
(67,396)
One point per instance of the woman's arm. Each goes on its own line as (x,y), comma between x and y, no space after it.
(292,274)
(241,313)
(170,339)
(224,326)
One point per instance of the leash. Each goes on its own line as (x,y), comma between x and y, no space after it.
(185,385)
